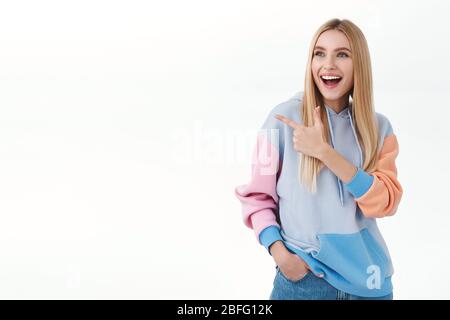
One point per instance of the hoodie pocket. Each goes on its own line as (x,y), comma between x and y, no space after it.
(307,274)
(357,258)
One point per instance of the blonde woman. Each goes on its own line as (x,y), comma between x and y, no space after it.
(323,171)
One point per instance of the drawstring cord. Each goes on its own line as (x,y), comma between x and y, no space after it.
(330,126)
(332,142)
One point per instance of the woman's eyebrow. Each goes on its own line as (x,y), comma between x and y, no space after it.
(337,49)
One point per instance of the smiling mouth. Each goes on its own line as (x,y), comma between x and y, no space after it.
(330,81)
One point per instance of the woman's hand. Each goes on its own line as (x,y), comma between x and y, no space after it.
(290,264)
(308,140)
(293,267)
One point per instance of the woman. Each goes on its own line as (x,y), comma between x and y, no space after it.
(323,171)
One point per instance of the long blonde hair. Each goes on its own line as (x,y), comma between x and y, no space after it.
(363,114)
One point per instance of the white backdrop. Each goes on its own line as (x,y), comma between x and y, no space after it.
(124,129)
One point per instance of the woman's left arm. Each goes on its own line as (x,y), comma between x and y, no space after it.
(378,194)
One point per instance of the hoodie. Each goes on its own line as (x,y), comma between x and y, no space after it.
(333,230)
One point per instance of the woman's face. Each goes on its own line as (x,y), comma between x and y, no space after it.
(332,58)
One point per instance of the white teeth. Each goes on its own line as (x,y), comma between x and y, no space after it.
(330,77)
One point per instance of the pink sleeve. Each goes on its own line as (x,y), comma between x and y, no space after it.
(259,197)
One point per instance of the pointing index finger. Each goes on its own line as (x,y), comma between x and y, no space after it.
(288,121)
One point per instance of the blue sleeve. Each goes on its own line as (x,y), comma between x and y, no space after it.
(269,235)
(360,183)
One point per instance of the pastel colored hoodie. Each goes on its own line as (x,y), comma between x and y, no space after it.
(334,230)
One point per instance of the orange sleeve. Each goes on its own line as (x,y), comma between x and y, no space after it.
(384,195)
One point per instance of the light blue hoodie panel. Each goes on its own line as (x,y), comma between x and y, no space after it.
(327,229)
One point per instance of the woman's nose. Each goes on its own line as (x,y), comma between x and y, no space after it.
(329,68)
(329,62)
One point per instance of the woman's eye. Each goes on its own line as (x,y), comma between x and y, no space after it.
(340,54)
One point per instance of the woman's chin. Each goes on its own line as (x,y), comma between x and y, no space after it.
(331,95)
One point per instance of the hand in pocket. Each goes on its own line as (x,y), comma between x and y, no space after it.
(294,268)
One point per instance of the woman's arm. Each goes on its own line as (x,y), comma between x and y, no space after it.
(340,166)
(377,194)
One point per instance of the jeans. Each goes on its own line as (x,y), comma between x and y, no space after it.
(311,287)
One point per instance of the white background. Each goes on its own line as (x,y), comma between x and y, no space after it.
(114,181)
